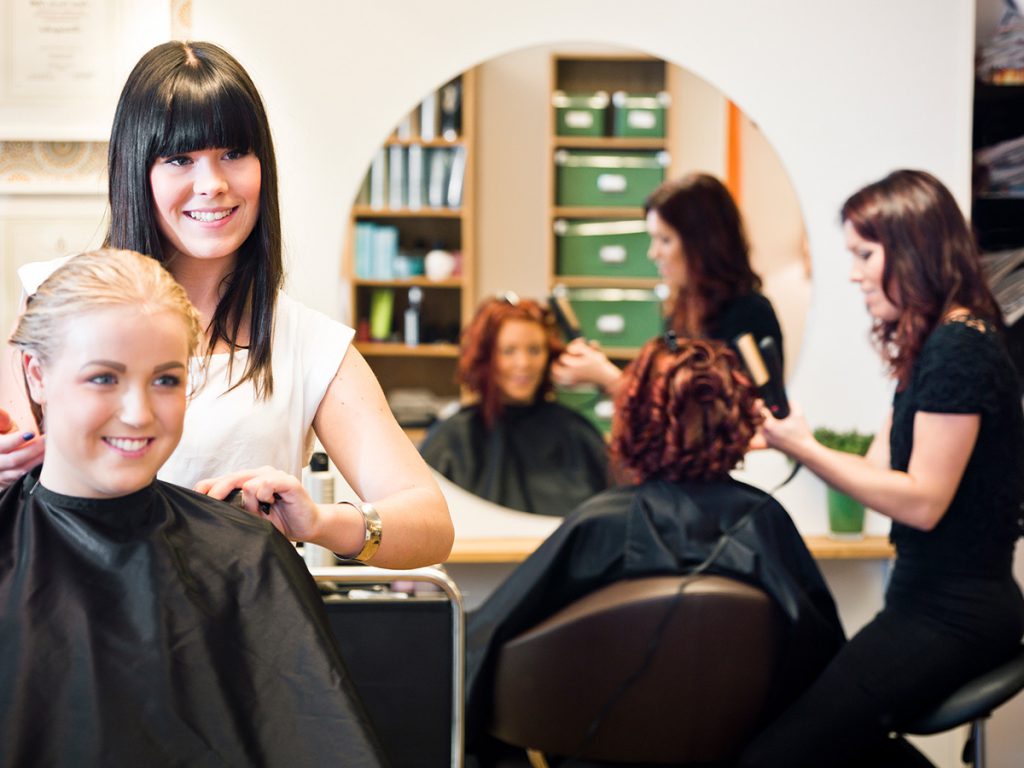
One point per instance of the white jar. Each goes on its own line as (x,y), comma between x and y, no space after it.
(439,264)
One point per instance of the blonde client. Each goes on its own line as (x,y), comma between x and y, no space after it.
(142,623)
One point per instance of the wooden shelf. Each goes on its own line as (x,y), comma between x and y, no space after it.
(396,349)
(616,143)
(867,548)
(369,212)
(621,353)
(579,212)
(585,281)
(406,282)
(447,304)
(517,549)
(433,143)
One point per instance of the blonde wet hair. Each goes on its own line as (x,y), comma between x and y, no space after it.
(95,280)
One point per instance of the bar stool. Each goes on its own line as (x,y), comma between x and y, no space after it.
(974,703)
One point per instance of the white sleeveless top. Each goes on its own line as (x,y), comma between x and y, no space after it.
(229,431)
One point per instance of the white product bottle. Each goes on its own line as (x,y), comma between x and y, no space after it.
(319,485)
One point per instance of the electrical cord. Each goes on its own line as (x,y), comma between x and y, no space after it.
(659,630)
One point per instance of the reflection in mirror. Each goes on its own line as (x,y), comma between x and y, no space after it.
(512,444)
(469,199)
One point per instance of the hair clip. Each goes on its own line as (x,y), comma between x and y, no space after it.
(671,341)
(510,297)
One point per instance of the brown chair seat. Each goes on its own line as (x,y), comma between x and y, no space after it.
(699,698)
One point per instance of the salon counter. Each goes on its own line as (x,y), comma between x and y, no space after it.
(490,541)
(515,549)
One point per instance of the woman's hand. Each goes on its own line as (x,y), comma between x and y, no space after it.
(288,506)
(19,451)
(790,435)
(582,363)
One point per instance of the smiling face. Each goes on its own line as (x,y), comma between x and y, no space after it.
(206,202)
(666,250)
(520,359)
(867,271)
(113,399)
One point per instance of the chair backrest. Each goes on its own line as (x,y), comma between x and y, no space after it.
(698,699)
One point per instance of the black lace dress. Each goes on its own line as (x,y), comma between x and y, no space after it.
(952,608)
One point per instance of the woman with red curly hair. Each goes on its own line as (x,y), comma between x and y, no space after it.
(684,417)
(513,444)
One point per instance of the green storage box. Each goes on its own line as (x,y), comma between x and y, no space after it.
(617,317)
(639,114)
(580,114)
(591,403)
(603,248)
(617,179)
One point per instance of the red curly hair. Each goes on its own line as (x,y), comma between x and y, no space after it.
(478,348)
(686,413)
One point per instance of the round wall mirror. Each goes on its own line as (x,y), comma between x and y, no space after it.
(468,199)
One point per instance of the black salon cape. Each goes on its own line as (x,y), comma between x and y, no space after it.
(542,458)
(660,528)
(164,628)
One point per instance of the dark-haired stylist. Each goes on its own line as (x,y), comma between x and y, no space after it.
(947,466)
(700,247)
(193,183)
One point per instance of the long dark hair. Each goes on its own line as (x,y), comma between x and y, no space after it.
(185,97)
(715,249)
(476,360)
(931,261)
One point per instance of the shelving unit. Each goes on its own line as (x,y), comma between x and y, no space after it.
(573,77)
(998,216)
(588,74)
(446,303)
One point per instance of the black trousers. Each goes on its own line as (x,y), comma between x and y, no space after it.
(935,633)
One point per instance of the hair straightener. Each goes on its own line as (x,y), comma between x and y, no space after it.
(764,364)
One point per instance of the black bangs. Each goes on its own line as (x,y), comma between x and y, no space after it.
(204,114)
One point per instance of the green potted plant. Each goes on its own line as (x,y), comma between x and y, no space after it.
(845,515)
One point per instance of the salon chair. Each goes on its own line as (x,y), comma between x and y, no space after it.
(974,703)
(692,696)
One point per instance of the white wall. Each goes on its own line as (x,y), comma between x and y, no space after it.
(845,92)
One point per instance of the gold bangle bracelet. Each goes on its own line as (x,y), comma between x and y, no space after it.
(373,531)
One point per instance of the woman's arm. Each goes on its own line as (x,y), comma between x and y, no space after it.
(583,364)
(376,458)
(878,451)
(918,497)
(381,464)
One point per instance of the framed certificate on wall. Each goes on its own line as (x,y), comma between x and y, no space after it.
(63,62)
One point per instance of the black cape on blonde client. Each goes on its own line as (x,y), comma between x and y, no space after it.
(143,624)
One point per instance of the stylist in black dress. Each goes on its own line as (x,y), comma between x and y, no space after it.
(947,466)
(700,247)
